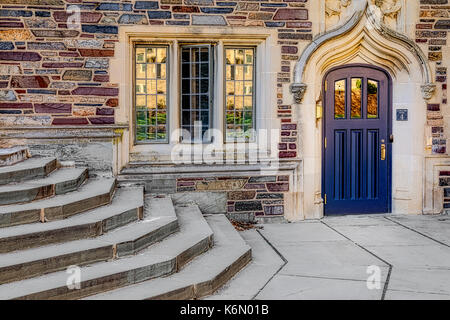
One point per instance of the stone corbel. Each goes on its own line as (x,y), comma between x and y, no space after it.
(428,90)
(298,90)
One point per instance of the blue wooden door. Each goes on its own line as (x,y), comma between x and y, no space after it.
(357,150)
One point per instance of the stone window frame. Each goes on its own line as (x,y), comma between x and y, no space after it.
(265,42)
(218,107)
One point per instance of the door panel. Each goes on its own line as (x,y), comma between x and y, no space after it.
(356,176)
(372,164)
(356,165)
(339,164)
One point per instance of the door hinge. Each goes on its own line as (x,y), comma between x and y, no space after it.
(325,198)
(325,142)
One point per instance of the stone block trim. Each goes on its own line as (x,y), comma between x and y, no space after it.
(444,182)
(250,196)
(432,31)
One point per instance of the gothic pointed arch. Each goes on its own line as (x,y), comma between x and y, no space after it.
(368,38)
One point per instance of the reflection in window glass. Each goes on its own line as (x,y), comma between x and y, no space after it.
(339,99)
(356,98)
(151,93)
(239,84)
(372,99)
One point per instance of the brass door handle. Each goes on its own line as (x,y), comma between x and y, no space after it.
(383,151)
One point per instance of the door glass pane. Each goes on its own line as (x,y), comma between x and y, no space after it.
(339,99)
(239,82)
(196,90)
(372,99)
(151,91)
(356,98)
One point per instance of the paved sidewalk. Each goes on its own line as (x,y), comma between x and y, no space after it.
(328,259)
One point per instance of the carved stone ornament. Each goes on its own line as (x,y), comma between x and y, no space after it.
(428,90)
(375,11)
(389,8)
(298,90)
(334,7)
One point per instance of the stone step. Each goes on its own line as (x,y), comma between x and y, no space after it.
(126,206)
(161,259)
(29,169)
(202,277)
(59,182)
(248,283)
(149,168)
(92,194)
(10,156)
(126,240)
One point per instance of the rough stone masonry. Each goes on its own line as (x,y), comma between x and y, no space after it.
(55,75)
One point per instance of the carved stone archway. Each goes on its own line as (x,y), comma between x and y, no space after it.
(365,39)
(373,13)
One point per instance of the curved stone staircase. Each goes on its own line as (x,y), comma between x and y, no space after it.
(128,245)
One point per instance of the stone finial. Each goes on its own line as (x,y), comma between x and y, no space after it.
(298,90)
(428,90)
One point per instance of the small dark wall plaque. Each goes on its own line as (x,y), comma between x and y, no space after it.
(402,114)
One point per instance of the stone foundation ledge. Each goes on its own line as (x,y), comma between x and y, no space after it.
(244,192)
(91,146)
(61,132)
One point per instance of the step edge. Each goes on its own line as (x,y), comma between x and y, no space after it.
(88,212)
(168,229)
(204,239)
(44,169)
(76,181)
(199,289)
(13,155)
(172,261)
(208,287)
(196,289)
(36,214)
(96,225)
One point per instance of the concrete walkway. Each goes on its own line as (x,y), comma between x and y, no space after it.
(329,259)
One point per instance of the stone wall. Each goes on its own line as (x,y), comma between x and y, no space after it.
(95,147)
(247,197)
(444,182)
(52,74)
(432,30)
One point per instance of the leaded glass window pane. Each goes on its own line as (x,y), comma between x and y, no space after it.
(196,90)
(151,93)
(372,99)
(339,99)
(239,91)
